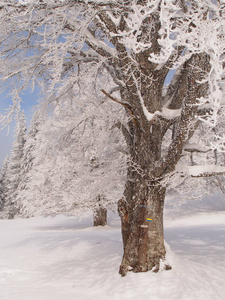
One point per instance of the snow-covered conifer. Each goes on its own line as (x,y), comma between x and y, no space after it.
(1,189)
(4,183)
(29,154)
(36,168)
(14,168)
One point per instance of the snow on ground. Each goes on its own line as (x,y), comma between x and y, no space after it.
(63,258)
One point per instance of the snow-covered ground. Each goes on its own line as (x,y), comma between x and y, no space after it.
(63,258)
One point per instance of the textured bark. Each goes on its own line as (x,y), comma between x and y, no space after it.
(142,228)
(141,208)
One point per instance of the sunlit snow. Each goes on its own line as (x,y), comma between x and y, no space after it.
(64,258)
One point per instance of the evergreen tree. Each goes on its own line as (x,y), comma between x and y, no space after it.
(35,168)
(1,191)
(3,184)
(29,149)
(14,168)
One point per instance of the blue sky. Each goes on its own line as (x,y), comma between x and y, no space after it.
(29,101)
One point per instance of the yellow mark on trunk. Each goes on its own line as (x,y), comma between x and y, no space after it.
(149,220)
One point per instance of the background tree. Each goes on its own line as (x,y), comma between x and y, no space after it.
(4,182)
(13,173)
(1,193)
(137,42)
(75,160)
(32,145)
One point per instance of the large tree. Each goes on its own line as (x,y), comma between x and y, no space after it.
(142,45)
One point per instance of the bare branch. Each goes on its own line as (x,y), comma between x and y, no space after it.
(126,105)
(195,171)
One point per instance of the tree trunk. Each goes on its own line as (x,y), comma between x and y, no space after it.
(100,216)
(142,227)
